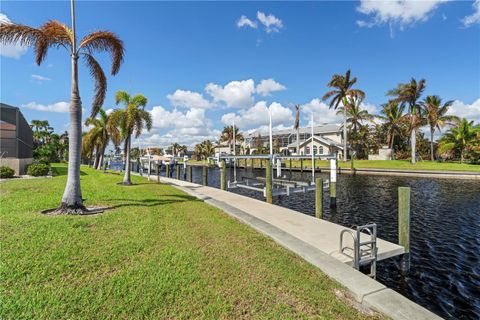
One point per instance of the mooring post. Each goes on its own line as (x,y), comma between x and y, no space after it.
(333,183)
(352,165)
(290,167)
(253,164)
(318,198)
(178,172)
(404,225)
(301,166)
(190,171)
(246,164)
(261,163)
(167,170)
(158,172)
(205,175)
(268,181)
(223,175)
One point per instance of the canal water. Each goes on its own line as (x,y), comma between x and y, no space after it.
(445,231)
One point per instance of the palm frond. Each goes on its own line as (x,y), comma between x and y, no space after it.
(139,100)
(55,34)
(100,83)
(105,41)
(122,96)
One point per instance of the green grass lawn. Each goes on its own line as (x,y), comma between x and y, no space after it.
(158,254)
(379,164)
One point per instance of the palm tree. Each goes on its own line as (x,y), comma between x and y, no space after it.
(56,34)
(436,115)
(343,89)
(207,148)
(101,134)
(175,149)
(459,139)
(394,120)
(228,134)
(355,114)
(131,120)
(410,93)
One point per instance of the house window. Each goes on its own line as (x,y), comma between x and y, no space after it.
(315,150)
(321,150)
(307,151)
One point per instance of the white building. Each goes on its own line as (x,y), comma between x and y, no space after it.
(328,138)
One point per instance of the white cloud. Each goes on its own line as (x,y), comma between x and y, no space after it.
(188,99)
(61,107)
(265,87)
(396,12)
(473,18)
(187,128)
(258,115)
(245,22)
(236,94)
(321,112)
(468,111)
(40,78)
(11,50)
(271,23)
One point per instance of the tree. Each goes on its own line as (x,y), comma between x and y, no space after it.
(175,149)
(394,120)
(102,132)
(460,139)
(410,93)
(343,89)
(204,149)
(56,34)
(355,114)
(132,120)
(228,134)
(436,115)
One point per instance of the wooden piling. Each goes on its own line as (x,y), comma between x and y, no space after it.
(158,172)
(404,225)
(167,170)
(223,175)
(268,182)
(318,198)
(177,175)
(290,167)
(205,175)
(190,171)
(301,166)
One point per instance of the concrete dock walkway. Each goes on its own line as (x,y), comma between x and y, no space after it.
(321,234)
(314,240)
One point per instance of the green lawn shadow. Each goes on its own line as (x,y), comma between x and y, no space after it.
(63,171)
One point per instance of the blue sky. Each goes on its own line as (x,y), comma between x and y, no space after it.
(201,65)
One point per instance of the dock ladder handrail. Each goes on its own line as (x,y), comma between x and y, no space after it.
(364,253)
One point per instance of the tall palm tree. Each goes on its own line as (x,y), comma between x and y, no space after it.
(56,34)
(410,93)
(436,115)
(228,134)
(394,120)
(132,120)
(343,89)
(101,134)
(175,149)
(207,148)
(460,139)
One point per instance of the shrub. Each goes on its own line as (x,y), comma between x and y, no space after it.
(6,172)
(38,169)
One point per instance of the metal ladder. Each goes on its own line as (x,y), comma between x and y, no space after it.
(364,253)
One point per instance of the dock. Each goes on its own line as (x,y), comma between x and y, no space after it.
(321,234)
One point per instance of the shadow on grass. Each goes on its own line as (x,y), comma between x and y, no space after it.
(151,202)
(63,171)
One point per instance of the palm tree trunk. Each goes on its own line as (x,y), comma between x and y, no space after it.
(432,131)
(345,131)
(72,196)
(126,178)
(100,161)
(95,161)
(392,140)
(413,137)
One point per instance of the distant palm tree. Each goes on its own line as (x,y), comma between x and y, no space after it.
(355,114)
(343,89)
(100,135)
(175,149)
(436,115)
(132,120)
(207,149)
(228,134)
(459,139)
(410,93)
(56,34)
(394,120)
